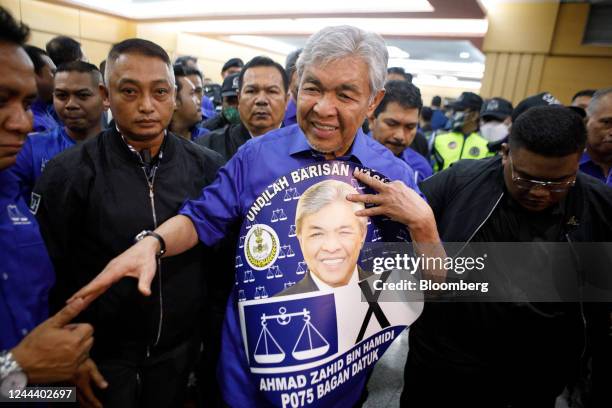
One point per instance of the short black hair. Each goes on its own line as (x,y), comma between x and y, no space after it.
(192,71)
(262,61)
(140,47)
(404,93)
(12,31)
(183,60)
(64,49)
(83,67)
(584,92)
(551,131)
(35,55)
(436,101)
(291,61)
(426,113)
(400,71)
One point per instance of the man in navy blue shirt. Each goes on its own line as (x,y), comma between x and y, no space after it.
(79,100)
(394,124)
(597,157)
(342,72)
(32,349)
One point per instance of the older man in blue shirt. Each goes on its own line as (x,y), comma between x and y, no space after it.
(342,73)
(597,158)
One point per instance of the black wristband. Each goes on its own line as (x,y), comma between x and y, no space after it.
(147,233)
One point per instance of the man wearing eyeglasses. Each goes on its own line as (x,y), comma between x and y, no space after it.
(510,354)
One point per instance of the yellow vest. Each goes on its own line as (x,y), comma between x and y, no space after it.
(451,147)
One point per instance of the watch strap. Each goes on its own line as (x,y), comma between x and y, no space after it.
(160,239)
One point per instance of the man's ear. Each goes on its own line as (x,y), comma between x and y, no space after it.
(105,97)
(505,151)
(377,99)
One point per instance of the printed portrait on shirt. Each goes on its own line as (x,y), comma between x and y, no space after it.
(330,237)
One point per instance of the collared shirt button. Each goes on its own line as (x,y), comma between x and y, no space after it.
(24,331)
(5,276)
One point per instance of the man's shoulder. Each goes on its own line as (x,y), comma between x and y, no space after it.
(198,150)
(214,136)
(467,171)
(273,140)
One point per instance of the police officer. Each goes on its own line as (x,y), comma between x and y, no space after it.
(495,121)
(463,141)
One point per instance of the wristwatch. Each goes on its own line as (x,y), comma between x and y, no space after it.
(146,233)
(12,377)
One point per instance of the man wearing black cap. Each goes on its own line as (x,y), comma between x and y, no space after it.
(541,99)
(229,107)
(232,66)
(463,141)
(495,120)
(262,99)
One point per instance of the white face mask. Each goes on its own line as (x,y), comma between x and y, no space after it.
(494,131)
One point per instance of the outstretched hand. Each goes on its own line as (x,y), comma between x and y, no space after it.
(139,261)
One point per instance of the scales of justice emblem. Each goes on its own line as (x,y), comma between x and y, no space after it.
(261,246)
(309,344)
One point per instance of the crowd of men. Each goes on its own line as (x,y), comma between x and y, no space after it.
(142,168)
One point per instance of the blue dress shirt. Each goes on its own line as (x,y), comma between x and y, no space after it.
(38,149)
(422,168)
(26,272)
(290,114)
(45,118)
(588,166)
(257,163)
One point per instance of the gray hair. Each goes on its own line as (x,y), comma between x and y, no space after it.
(333,43)
(593,105)
(320,195)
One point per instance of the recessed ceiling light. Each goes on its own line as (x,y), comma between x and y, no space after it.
(464,55)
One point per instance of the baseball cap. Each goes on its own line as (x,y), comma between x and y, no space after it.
(232,62)
(467,100)
(230,85)
(541,99)
(497,108)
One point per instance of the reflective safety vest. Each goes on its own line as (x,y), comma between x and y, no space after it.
(451,147)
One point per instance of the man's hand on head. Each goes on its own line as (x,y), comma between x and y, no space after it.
(400,203)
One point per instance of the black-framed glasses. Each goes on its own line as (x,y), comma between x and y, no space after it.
(552,186)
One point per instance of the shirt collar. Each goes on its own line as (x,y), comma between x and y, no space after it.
(359,150)
(585,158)
(324,286)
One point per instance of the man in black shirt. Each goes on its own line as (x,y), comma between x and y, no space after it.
(509,354)
(103,194)
(262,99)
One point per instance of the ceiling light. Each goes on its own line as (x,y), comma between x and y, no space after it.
(203,9)
(464,55)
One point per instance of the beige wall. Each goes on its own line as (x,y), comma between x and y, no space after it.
(96,32)
(536,47)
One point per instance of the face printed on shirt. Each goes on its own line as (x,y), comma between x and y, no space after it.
(330,237)
(17,92)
